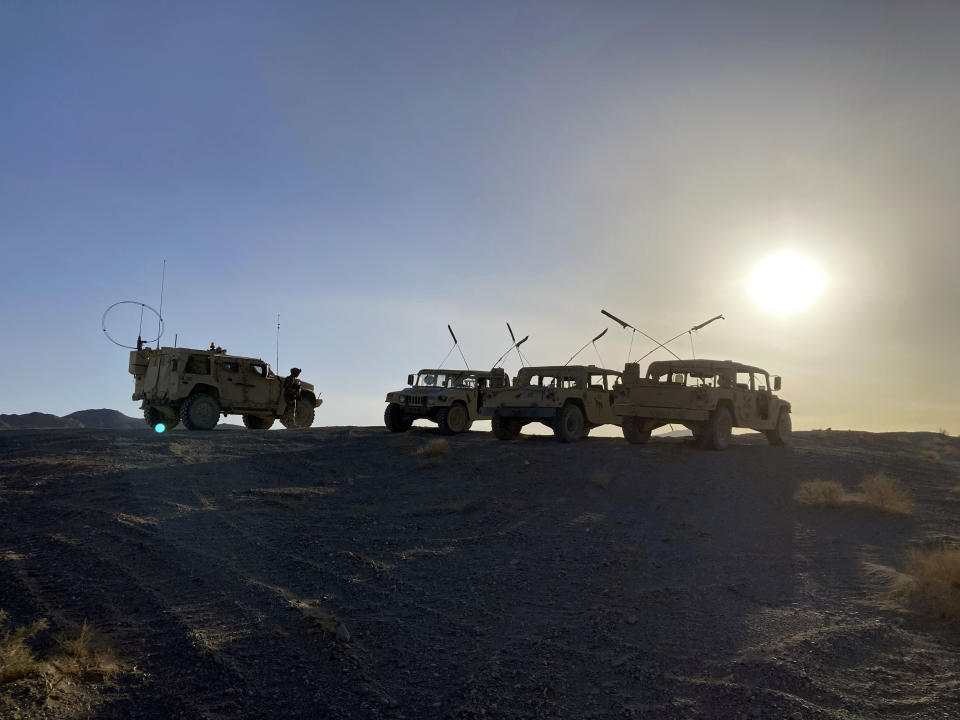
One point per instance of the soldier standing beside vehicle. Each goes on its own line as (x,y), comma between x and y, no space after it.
(291,388)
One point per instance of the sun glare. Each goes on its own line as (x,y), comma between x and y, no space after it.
(786,283)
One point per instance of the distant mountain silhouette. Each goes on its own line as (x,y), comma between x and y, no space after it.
(102,419)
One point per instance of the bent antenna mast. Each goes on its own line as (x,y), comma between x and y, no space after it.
(515,344)
(456,345)
(163,280)
(592,342)
(691,331)
(626,325)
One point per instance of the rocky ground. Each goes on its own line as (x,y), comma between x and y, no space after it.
(510,580)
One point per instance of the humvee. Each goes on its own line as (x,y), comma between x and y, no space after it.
(569,399)
(195,387)
(450,398)
(709,397)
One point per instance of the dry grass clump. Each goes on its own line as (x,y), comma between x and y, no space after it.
(16,658)
(434,448)
(85,653)
(936,580)
(821,493)
(882,492)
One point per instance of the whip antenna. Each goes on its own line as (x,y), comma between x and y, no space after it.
(514,345)
(585,345)
(163,279)
(276,367)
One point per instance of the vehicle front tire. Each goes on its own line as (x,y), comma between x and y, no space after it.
(300,415)
(395,419)
(454,419)
(506,428)
(718,430)
(257,422)
(782,434)
(634,430)
(200,412)
(569,425)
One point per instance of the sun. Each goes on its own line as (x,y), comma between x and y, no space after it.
(786,283)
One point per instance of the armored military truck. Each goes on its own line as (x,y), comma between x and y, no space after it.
(450,398)
(710,397)
(569,399)
(195,387)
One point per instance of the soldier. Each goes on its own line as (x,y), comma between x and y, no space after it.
(291,388)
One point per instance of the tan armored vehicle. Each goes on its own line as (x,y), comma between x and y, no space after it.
(450,398)
(569,399)
(710,397)
(195,387)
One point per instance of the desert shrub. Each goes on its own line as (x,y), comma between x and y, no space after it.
(84,652)
(936,580)
(16,657)
(883,493)
(435,448)
(822,493)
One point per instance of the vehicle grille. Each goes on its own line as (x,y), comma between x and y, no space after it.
(418,400)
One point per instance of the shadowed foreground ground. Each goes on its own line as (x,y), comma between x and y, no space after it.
(526,579)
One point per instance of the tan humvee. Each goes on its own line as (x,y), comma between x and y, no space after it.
(197,386)
(569,399)
(450,398)
(710,397)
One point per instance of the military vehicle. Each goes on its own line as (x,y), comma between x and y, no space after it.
(710,397)
(569,399)
(450,398)
(195,387)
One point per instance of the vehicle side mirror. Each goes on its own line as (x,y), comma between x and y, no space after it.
(776,382)
(410,380)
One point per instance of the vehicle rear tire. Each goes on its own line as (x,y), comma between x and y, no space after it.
(506,428)
(395,419)
(782,434)
(200,412)
(634,430)
(718,430)
(257,422)
(454,419)
(569,424)
(154,417)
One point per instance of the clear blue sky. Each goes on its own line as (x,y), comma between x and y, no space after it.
(373,171)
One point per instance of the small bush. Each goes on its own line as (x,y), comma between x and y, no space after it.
(822,493)
(16,658)
(936,580)
(435,448)
(85,652)
(883,493)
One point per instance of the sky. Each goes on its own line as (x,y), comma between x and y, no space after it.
(374,171)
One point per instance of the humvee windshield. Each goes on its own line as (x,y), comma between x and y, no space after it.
(441,380)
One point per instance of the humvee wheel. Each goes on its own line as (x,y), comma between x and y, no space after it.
(569,425)
(454,419)
(154,417)
(717,430)
(506,428)
(394,419)
(783,432)
(257,422)
(200,412)
(634,431)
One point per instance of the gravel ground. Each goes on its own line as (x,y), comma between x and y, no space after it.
(344,573)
